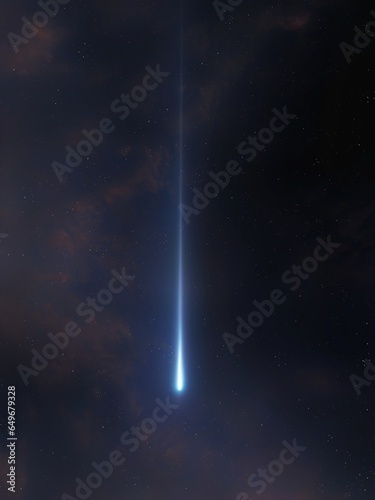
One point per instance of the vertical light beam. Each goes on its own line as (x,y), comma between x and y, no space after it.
(180,368)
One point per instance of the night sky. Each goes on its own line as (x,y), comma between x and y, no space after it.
(279,94)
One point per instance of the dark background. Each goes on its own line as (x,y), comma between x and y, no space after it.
(120,208)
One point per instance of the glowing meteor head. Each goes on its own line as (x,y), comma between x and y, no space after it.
(180,365)
(180,384)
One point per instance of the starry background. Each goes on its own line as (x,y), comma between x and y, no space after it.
(119,208)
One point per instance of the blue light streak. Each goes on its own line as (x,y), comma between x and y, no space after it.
(180,375)
(180,368)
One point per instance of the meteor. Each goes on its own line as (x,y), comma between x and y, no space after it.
(180,368)
(180,378)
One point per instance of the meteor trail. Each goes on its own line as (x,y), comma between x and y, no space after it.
(180,369)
